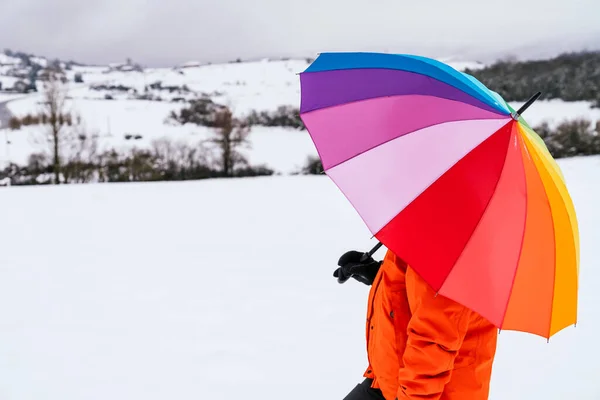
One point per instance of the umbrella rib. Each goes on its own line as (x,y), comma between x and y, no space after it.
(514,279)
(570,222)
(555,267)
(553,248)
(555,168)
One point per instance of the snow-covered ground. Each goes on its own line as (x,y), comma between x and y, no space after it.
(6,60)
(223,290)
(556,111)
(9,96)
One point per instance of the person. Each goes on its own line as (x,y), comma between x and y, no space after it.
(420,345)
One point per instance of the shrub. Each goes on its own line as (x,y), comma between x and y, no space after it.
(571,138)
(14,123)
(313,166)
(202,112)
(249,171)
(284,116)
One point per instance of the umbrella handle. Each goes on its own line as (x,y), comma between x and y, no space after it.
(371,252)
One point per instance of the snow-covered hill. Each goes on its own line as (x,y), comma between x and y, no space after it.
(260,85)
(246,86)
(111,103)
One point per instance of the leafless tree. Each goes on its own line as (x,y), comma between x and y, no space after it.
(231,136)
(58,120)
(71,149)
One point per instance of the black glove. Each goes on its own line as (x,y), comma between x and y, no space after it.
(351,266)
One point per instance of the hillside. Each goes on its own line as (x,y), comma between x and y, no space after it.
(125,112)
(128,110)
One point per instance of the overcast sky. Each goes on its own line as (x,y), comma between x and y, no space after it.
(160,32)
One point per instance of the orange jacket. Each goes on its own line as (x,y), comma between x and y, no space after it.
(423,346)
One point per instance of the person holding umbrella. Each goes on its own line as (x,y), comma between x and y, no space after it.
(481,231)
(419,345)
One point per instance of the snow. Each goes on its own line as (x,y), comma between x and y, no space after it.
(6,60)
(9,96)
(556,111)
(8,82)
(189,64)
(462,65)
(17,146)
(222,289)
(40,60)
(286,150)
(260,85)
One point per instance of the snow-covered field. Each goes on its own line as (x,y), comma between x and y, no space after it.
(223,290)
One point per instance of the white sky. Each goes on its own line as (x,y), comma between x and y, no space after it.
(171,31)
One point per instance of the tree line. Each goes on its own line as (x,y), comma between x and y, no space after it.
(569,77)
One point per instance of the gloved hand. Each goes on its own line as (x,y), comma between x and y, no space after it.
(351,266)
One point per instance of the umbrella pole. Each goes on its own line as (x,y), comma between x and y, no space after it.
(525,106)
(371,252)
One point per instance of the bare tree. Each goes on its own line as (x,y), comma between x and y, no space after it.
(71,150)
(57,117)
(231,135)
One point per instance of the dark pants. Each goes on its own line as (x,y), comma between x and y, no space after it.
(364,391)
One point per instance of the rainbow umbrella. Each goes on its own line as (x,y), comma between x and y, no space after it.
(450,178)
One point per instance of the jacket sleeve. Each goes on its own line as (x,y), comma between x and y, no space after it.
(435,331)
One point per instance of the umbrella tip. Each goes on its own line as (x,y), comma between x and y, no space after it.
(515,115)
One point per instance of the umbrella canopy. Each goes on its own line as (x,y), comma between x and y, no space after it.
(451,179)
